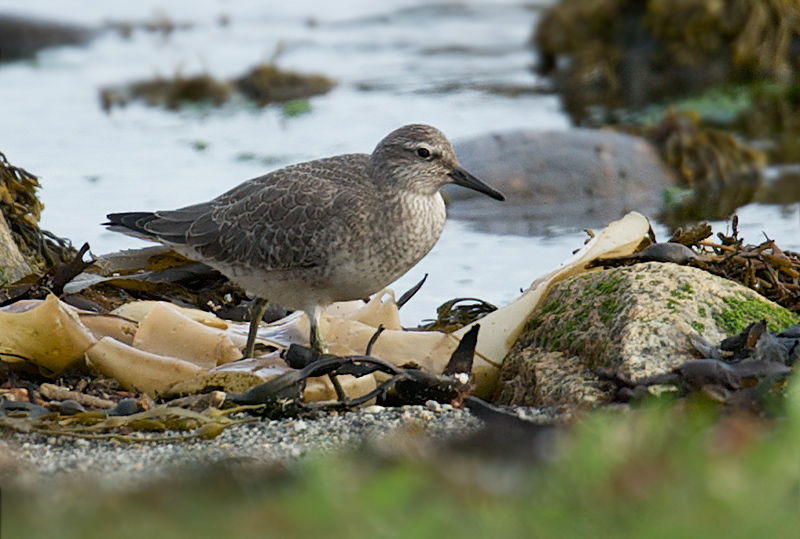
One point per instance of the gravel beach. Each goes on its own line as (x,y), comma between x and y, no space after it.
(28,459)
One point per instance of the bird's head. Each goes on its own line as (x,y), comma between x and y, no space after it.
(421,158)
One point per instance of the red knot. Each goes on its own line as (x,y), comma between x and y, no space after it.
(333,229)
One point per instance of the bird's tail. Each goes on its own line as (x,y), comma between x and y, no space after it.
(131,223)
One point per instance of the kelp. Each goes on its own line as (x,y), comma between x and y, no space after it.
(264,84)
(598,52)
(179,424)
(283,396)
(18,200)
(49,337)
(457,313)
(765,268)
(156,274)
(719,172)
(22,209)
(172,93)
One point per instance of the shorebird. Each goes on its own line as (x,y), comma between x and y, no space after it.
(333,229)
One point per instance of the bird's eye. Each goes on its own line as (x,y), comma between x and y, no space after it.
(424,153)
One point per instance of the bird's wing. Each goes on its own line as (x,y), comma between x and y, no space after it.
(283,220)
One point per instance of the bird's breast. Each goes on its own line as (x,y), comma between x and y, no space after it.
(388,246)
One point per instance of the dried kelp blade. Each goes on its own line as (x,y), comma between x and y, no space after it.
(200,344)
(49,336)
(461,360)
(139,370)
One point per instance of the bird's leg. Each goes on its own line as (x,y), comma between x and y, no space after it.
(257,308)
(319,345)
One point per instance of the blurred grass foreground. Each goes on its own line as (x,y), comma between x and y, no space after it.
(686,469)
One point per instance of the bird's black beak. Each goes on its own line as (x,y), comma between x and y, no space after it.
(465,179)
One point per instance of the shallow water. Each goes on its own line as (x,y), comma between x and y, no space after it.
(396,63)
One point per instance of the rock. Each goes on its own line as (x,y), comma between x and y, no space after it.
(12,264)
(22,37)
(575,178)
(638,320)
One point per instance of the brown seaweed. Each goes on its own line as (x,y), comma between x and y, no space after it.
(22,209)
(630,53)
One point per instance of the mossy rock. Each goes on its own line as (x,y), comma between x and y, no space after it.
(638,320)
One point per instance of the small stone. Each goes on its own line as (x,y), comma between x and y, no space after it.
(217,399)
(373,409)
(70,407)
(300,425)
(433,406)
(462,378)
(124,407)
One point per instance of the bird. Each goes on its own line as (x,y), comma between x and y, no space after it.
(310,234)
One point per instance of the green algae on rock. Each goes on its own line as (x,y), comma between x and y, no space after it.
(743,311)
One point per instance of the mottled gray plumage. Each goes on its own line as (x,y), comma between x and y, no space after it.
(333,229)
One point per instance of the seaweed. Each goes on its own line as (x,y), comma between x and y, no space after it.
(457,313)
(718,172)
(627,52)
(22,209)
(765,268)
(265,84)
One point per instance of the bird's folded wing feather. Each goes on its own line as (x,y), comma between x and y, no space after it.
(283,220)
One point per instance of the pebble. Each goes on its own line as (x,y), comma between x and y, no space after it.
(433,406)
(373,409)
